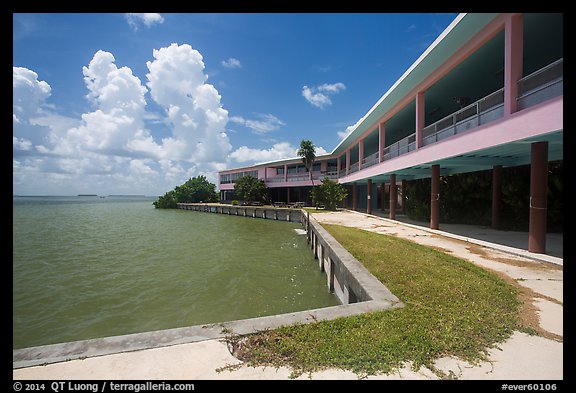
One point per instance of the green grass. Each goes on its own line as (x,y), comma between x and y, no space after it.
(452,308)
(319,210)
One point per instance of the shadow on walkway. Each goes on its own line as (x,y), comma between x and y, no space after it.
(516,239)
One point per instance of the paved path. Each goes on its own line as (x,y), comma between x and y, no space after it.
(521,357)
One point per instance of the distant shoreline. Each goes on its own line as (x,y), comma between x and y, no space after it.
(85,195)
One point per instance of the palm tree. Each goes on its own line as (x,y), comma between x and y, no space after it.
(308,153)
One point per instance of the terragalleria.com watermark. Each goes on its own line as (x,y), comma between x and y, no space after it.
(100,387)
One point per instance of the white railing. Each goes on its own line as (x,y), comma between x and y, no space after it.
(403,146)
(541,85)
(277,179)
(302,177)
(328,174)
(480,112)
(353,168)
(370,160)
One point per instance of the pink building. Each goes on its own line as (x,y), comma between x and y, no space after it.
(487,94)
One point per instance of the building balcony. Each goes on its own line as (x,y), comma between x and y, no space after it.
(542,85)
(538,87)
(481,112)
(370,160)
(302,177)
(403,146)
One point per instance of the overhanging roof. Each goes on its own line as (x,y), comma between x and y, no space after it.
(461,30)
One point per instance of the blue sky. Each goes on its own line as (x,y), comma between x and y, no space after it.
(138,103)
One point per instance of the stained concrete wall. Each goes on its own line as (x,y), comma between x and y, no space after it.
(270,213)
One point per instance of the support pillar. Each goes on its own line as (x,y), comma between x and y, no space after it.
(496,195)
(435,197)
(538,197)
(369,197)
(288,195)
(393,196)
(354,196)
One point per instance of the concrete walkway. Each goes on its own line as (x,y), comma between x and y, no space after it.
(521,357)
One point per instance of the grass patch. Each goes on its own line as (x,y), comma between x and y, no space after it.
(319,210)
(452,308)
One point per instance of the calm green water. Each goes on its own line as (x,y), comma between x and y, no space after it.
(85,267)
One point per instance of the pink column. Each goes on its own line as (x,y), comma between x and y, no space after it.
(538,197)
(393,196)
(435,197)
(369,197)
(285,172)
(347,162)
(381,141)
(360,153)
(513,53)
(420,118)
(338,167)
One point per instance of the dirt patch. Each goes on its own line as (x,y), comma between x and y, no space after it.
(528,316)
(536,265)
(529,312)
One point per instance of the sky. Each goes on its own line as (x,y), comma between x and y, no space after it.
(112,103)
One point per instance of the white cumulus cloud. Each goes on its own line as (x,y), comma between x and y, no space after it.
(278,151)
(263,124)
(345,133)
(28,94)
(319,96)
(231,63)
(110,149)
(148,19)
(177,82)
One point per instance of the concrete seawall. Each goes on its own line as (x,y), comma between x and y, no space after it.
(270,213)
(356,288)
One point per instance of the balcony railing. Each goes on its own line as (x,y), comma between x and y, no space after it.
(328,174)
(353,168)
(403,146)
(303,177)
(300,177)
(542,85)
(481,112)
(277,179)
(370,160)
(537,87)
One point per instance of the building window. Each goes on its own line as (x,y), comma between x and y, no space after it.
(280,170)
